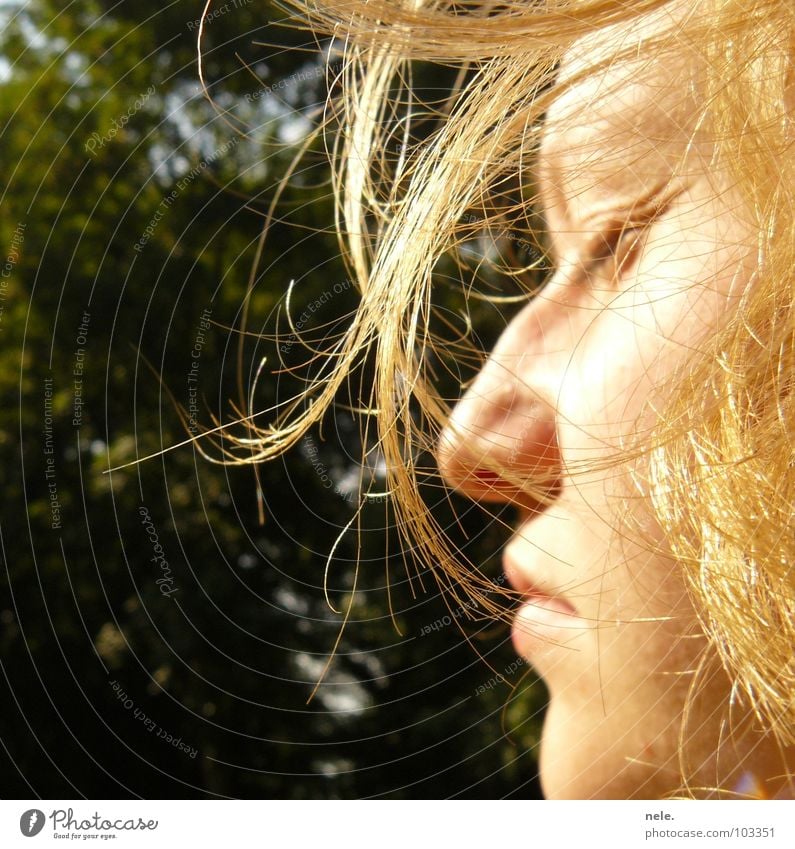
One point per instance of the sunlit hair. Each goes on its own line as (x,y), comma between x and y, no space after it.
(718,467)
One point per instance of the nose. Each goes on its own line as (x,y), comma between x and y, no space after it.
(500,444)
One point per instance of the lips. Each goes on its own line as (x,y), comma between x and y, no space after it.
(544,620)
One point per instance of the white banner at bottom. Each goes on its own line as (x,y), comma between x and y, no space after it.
(398,824)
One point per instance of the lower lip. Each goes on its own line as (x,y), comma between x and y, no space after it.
(544,623)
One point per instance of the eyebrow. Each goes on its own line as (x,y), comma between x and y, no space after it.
(613,211)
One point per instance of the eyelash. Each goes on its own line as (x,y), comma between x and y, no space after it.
(622,242)
(624,246)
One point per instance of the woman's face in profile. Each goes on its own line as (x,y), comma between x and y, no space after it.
(650,252)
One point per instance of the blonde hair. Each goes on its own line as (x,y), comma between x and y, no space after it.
(720,472)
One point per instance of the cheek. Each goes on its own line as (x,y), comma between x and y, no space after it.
(613,731)
(638,334)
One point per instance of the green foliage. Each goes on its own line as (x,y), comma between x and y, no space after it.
(156,640)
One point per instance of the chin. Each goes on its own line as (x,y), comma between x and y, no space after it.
(598,760)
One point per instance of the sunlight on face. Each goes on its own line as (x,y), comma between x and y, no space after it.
(650,251)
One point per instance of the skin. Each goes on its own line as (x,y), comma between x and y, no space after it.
(574,376)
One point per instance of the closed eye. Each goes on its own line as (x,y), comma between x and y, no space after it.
(624,248)
(612,251)
(616,247)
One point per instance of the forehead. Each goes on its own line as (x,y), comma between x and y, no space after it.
(627,114)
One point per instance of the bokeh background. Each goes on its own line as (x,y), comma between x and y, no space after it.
(157,638)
